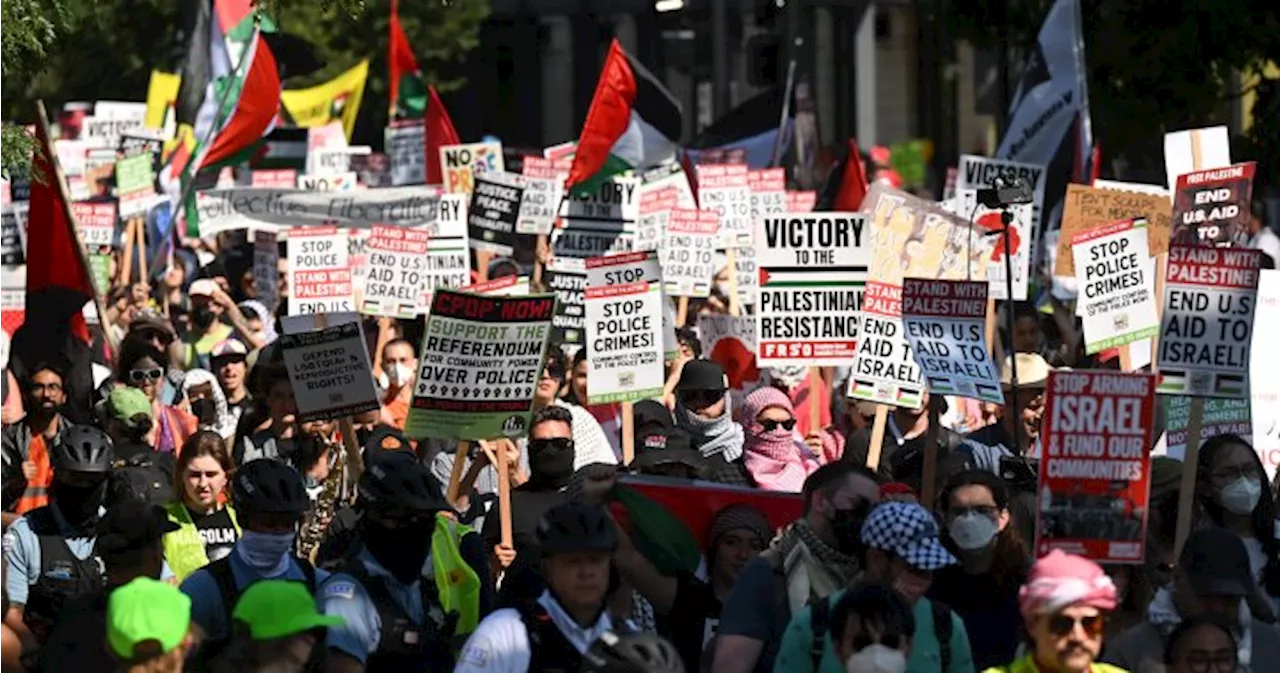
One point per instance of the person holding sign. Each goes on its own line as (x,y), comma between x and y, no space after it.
(987,446)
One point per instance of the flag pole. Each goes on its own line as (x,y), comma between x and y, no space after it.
(786,112)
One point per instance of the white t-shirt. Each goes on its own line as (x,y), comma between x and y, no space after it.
(500,644)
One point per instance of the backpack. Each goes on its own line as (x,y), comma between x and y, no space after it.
(140,478)
(820,614)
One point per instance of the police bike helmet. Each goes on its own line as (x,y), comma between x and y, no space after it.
(631,653)
(269,486)
(83,448)
(577,527)
(398,479)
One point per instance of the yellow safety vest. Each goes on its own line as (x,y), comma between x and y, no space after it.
(457,583)
(1027,664)
(184,548)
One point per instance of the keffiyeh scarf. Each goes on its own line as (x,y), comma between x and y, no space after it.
(721,435)
(812,568)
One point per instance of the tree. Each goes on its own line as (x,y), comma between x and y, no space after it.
(1154,65)
(27,30)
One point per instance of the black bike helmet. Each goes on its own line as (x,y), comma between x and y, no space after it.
(576,526)
(398,479)
(632,653)
(83,448)
(269,486)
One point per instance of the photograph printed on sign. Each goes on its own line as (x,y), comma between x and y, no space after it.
(404,143)
(1212,207)
(917,238)
(981,173)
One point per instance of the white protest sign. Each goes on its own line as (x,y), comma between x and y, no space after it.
(812,270)
(395,271)
(945,322)
(266,269)
(624,323)
(599,223)
(71,155)
(460,164)
(1117,300)
(1195,150)
(689,251)
(730,341)
(276,209)
(448,257)
(981,173)
(724,189)
(1209,302)
(331,160)
(655,211)
(319,271)
(495,207)
(97,221)
(885,370)
(768,191)
(328,182)
(110,120)
(1264,385)
(406,144)
(539,206)
(329,368)
(748,273)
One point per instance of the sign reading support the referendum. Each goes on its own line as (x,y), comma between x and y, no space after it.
(243,208)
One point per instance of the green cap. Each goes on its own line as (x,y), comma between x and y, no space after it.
(278,608)
(127,403)
(146,610)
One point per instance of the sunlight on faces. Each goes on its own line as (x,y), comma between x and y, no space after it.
(578,579)
(143,380)
(777,414)
(579,381)
(205,479)
(1068,641)
(733,550)
(549,383)
(976,498)
(231,370)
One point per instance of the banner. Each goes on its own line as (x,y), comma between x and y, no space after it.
(1086,208)
(329,368)
(1096,469)
(481,359)
(730,341)
(689,251)
(599,223)
(495,207)
(884,369)
(97,222)
(406,143)
(338,99)
(945,323)
(567,278)
(724,189)
(266,269)
(624,323)
(981,173)
(1115,274)
(462,163)
(395,271)
(1212,207)
(319,271)
(276,209)
(812,270)
(448,255)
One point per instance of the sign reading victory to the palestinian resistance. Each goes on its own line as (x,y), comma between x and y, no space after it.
(599,223)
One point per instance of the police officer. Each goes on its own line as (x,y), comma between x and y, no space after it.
(632,653)
(50,549)
(387,589)
(269,501)
(552,633)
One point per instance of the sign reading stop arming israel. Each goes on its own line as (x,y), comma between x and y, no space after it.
(624,322)
(812,270)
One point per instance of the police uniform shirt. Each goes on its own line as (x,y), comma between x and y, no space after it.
(341,595)
(206,601)
(500,644)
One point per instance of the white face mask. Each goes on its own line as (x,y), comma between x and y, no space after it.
(399,375)
(876,659)
(972,531)
(1241,496)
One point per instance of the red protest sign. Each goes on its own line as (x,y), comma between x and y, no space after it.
(1095,469)
(1212,207)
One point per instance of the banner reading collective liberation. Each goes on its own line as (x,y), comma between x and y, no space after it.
(624,323)
(243,208)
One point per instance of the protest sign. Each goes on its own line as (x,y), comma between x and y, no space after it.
(143,142)
(329,369)
(539,205)
(244,208)
(266,268)
(748,273)
(134,174)
(334,160)
(395,271)
(655,211)
(731,341)
(801,201)
(981,173)
(97,221)
(1086,208)
(768,192)
(1212,207)
(495,207)
(481,359)
(1264,385)
(1195,150)
(1096,466)
(319,271)
(12,250)
(689,251)
(71,156)
(328,182)
(624,322)
(1117,302)
(945,323)
(110,120)
(1209,301)
(1220,417)
(405,141)
(279,178)
(507,286)
(669,175)
(448,257)
(462,163)
(724,189)
(919,239)
(884,369)
(599,223)
(99,172)
(812,270)
(567,278)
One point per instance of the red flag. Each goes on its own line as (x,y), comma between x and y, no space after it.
(440,132)
(853,184)
(400,58)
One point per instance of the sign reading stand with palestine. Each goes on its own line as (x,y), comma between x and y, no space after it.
(1117,290)
(395,271)
(884,370)
(481,358)
(329,367)
(1209,301)
(495,207)
(1096,468)
(319,271)
(724,189)
(689,252)
(624,323)
(97,220)
(1212,207)
(945,322)
(812,270)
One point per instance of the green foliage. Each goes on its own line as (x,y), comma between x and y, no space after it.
(28,28)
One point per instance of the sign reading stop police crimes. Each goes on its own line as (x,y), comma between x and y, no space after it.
(945,322)
(689,251)
(462,163)
(812,270)
(885,370)
(481,358)
(329,369)
(319,271)
(1212,207)
(1117,291)
(1096,465)
(599,223)
(495,207)
(1209,300)
(624,323)
(981,173)
(395,271)
(724,189)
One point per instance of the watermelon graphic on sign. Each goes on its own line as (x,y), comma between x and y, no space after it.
(731,341)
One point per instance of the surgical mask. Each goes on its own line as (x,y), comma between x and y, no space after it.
(876,658)
(1241,496)
(972,531)
(399,375)
(266,553)
(205,410)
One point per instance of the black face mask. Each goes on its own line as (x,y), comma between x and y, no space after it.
(550,463)
(205,410)
(203,317)
(847,525)
(78,504)
(402,551)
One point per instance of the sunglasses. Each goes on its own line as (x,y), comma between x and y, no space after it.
(140,375)
(770,424)
(552,444)
(700,399)
(1062,625)
(553,372)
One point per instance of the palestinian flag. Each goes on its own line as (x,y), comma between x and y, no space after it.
(439,132)
(846,183)
(633,122)
(408,93)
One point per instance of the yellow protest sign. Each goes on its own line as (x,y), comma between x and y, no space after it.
(339,98)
